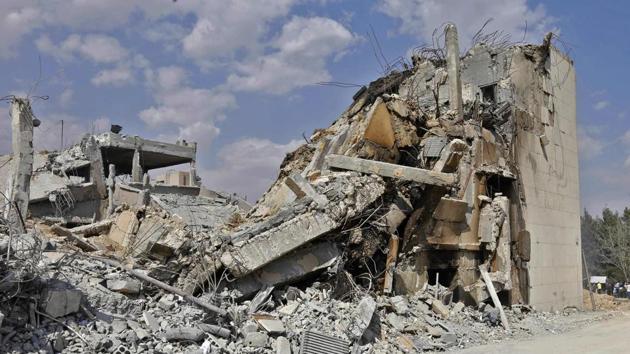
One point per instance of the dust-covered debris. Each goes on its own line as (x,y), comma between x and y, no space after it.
(402,227)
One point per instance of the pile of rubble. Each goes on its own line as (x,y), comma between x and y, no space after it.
(393,230)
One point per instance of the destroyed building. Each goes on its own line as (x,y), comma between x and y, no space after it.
(450,182)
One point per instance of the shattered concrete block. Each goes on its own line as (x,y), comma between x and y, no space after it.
(379,129)
(400,304)
(151,322)
(300,186)
(167,302)
(283,346)
(125,225)
(61,302)
(256,340)
(184,334)
(439,308)
(451,210)
(396,321)
(391,170)
(271,325)
(124,286)
(361,318)
(274,243)
(458,307)
(289,268)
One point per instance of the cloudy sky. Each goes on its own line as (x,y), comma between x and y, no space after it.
(240,76)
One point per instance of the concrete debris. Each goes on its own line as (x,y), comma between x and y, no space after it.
(361,318)
(391,231)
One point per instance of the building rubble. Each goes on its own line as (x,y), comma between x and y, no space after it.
(412,223)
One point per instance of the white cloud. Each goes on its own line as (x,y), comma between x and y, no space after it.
(224,27)
(625,138)
(194,111)
(627,162)
(599,105)
(15,22)
(95,47)
(421,17)
(118,76)
(247,166)
(299,59)
(589,146)
(66,97)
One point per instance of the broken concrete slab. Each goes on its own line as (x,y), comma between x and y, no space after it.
(93,229)
(274,243)
(184,334)
(256,340)
(379,129)
(391,170)
(439,308)
(124,286)
(283,346)
(271,325)
(289,268)
(123,228)
(451,210)
(361,318)
(302,188)
(151,322)
(58,302)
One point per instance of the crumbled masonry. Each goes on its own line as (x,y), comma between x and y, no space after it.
(439,211)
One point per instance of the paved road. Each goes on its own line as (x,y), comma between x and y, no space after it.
(608,336)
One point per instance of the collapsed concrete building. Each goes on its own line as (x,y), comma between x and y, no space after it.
(452,182)
(479,158)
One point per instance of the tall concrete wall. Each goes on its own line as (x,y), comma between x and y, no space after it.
(549,178)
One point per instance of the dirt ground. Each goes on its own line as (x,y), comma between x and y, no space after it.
(600,336)
(603,331)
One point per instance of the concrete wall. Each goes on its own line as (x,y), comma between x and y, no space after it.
(549,176)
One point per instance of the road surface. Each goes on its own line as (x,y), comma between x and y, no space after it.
(607,336)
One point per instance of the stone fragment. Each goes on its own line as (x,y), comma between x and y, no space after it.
(151,322)
(435,331)
(125,225)
(449,339)
(256,340)
(118,326)
(167,302)
(271,325)
(439,308)
(283,346)
(398,322)
(59,343)
(184,333)
(289,308)
(124,286)
(400,304)
(361,318)
(458,307)
(61,302)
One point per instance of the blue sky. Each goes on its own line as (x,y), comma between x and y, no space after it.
(239,76)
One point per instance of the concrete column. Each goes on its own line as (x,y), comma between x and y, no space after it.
(453,69)
(111,185)
(193,168)
(136,167)
(22,135)
(144,197)
(96,167)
